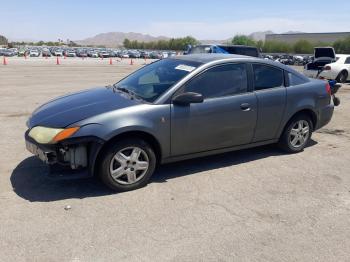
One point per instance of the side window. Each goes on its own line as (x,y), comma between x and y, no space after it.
(295,80)
(220,81)
(347,61)
(267,77)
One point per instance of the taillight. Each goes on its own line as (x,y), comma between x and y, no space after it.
(327,68)
(328,89)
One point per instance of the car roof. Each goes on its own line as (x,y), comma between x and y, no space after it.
(217,57)
(206,58)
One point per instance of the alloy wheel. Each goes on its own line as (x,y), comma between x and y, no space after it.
(129,165)
(299,133)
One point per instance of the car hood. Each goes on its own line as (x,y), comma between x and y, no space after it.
(66,110)
(324,52)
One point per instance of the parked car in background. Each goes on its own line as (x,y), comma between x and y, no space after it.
(322,57)
(58,52)
(71,53)
(174,109)
(286,59)
(34,53)
(155,55)
(338,70)
(21,52)
(134,54)
(81,53)
(224,49)
(103,54)
(7,52)
(92,53)
(46,53)
(144,54)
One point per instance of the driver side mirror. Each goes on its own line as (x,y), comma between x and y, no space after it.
(188,98)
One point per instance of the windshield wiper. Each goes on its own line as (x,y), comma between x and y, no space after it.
(131,93)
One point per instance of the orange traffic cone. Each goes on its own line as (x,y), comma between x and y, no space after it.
(131,62)
(4,62)
(110,61)
(57,61)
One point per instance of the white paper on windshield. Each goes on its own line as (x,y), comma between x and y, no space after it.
(185,68)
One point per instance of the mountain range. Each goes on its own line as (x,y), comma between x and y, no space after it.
(115,39)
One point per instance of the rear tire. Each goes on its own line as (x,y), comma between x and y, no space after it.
(296,134)
(342,77)
(127,165)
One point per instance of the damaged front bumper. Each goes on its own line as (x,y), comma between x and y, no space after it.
(68,159)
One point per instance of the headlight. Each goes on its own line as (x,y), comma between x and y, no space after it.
(46,135)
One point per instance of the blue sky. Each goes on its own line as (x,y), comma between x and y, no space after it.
(78,19)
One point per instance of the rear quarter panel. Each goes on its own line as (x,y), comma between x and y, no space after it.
(311,96)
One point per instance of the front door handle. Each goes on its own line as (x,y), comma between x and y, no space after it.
(245,107)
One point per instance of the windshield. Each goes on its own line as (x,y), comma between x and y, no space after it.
(151,81)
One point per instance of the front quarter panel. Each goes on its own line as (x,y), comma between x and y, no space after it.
(149,118)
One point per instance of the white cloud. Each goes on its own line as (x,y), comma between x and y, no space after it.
(224,30)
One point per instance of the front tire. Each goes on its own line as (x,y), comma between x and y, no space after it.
(297,134)
(127,165)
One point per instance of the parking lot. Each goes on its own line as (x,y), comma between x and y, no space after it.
(252,205)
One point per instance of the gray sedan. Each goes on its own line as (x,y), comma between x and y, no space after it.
(174,109)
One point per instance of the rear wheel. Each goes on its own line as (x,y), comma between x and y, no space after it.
(342,77)
(297,134)
(127,165)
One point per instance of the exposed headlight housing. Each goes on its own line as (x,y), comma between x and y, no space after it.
(47,135)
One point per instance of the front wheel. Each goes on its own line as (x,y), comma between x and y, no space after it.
(127,165)
(297,134)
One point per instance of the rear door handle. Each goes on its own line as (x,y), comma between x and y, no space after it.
(245,107)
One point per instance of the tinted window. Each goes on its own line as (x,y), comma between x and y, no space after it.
(248,51)
(347,61)
(220,81)
(267,77)
(295,80)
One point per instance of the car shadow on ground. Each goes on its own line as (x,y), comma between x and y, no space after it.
(30,181)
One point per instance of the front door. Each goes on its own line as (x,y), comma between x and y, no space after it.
(226,118)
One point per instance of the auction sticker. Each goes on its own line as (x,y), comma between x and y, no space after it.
(185,68)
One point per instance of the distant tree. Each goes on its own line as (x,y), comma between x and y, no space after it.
(3,40)
(171,44)
(73,44)
(303,47)
(243,40)
(342,46)
(277,47)
(126,43)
